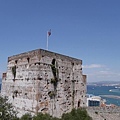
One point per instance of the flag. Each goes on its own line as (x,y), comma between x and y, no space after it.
(49,32)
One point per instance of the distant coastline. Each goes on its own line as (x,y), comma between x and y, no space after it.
(110,96)
(105,83)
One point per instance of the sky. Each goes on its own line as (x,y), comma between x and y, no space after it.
(85,29)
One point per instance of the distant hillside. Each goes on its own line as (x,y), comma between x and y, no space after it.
(104,83)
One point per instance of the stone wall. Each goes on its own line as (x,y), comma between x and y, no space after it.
(104,113)
(43,81)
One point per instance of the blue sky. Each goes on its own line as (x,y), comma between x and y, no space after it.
(84,29)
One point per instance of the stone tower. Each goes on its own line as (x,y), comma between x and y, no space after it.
(44,81)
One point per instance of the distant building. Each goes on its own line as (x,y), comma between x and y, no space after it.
(44,81)
(93,100)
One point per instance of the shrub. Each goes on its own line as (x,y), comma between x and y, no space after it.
(27,116)
(41,116)
(7,110)
(79,114)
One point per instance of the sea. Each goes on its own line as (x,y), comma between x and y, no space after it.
(105,90)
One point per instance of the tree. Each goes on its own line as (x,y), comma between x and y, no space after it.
(7,111)
(79,114)
(26,117)
(41,116)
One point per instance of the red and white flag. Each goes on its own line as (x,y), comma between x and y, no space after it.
(49,32)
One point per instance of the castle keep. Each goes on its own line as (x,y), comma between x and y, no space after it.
(43,81)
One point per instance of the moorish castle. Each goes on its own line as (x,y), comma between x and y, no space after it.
(44,81)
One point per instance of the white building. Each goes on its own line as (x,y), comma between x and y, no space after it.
(93,100)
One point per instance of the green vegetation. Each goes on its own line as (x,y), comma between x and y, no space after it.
(52,94)
(14,72)
(55,72)
(26,117)
(54,80)
(6,110)
(41,116)
(79,114)
(8,113)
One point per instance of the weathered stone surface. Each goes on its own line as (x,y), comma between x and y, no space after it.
(44,82)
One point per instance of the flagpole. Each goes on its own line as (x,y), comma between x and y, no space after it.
(47,41)
(48,34)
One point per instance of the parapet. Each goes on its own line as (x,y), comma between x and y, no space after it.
(42,52)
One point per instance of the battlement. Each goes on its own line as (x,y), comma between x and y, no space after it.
(42,52)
